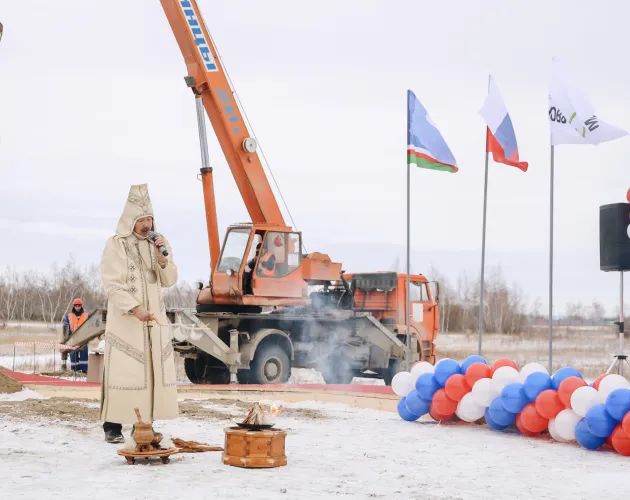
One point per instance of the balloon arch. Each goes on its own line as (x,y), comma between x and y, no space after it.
(562,405)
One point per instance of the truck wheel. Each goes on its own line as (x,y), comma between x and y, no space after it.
(191,369)
(271,365)
(200,371)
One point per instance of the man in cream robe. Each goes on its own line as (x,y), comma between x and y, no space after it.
(139,365)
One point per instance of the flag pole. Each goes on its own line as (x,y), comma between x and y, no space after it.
(408,307)
(483,248)
(551,261)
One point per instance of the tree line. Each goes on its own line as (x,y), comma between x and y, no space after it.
(37,296)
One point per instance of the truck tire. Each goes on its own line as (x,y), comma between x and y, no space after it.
(271,365)
(202,371)
(191,369)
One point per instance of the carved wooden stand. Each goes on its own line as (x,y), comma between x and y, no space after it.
(254,448)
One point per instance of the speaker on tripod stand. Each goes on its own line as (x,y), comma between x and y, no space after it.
(614,255)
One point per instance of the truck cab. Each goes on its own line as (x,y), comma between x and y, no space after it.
(384,295)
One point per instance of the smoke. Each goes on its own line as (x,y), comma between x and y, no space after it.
(333,354)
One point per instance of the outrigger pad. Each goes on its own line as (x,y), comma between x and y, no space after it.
(368,282)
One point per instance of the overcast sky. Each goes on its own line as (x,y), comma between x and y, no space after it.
(92,99)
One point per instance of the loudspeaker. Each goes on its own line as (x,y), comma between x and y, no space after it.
(614,242)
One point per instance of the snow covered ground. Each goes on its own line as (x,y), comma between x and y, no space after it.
(333,451)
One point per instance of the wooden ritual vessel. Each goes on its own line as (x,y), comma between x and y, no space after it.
(147,444)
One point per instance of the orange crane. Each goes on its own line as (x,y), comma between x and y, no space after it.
(257,318)
(292,271)
(257,303)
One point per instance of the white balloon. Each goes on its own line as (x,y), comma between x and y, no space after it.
(530,368)
(468,410)
(502,377)
(483,392)
(583,399)
(402,384)
(566,421)
(421,367)
(554,432)
(609,384)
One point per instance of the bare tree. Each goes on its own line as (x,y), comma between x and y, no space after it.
(575,311)
(598,312)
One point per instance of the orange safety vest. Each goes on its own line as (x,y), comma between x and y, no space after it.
(266,258)
(74,322)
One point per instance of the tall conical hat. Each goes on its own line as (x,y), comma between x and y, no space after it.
(138,205)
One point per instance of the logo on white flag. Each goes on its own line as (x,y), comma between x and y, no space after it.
(571,116)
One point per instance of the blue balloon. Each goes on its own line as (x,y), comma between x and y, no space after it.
(426,385)
(600,423)
(470,360)
(499,414)
(513,398)
(444,369)
(618,403)
(416,405)
(563,373)
(492,424)
(535,383)
(404,413)
(586,438)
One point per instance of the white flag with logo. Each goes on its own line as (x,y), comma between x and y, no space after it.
(571,116)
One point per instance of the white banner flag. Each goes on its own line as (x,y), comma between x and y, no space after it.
(571,116)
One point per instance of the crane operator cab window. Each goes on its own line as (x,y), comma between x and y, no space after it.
(233,250)
(279,256)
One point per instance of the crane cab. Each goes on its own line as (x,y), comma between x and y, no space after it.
(258,261)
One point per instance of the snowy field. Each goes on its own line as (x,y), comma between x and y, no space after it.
(333,451)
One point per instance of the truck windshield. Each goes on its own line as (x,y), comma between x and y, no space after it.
(233,250)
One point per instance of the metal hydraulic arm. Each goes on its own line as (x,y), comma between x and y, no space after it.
(208,80)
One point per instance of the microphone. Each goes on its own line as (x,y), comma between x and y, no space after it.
(153,236)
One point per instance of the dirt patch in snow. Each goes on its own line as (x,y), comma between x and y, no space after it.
(65,409)
(202,410)
(77,410)
(8,385)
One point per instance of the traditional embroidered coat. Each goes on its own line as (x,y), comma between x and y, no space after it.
(139,367)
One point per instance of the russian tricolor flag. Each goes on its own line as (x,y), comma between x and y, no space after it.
(501,139)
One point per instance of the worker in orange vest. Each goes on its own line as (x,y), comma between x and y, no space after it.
(267,264)
(74,319)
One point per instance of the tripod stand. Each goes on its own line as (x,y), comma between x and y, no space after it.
(620,358)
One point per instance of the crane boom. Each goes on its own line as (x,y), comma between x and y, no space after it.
(208,80)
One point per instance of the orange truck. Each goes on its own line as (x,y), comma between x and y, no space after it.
(269,305)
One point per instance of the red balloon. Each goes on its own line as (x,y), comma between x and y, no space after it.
(598,380)
(456,387)
(532,420)
(437,416)
(524,430)
(442,403)
(628,195)
(567,387)
(620,441)
(625,423)
(477,371)
(503,362)
(548,404)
